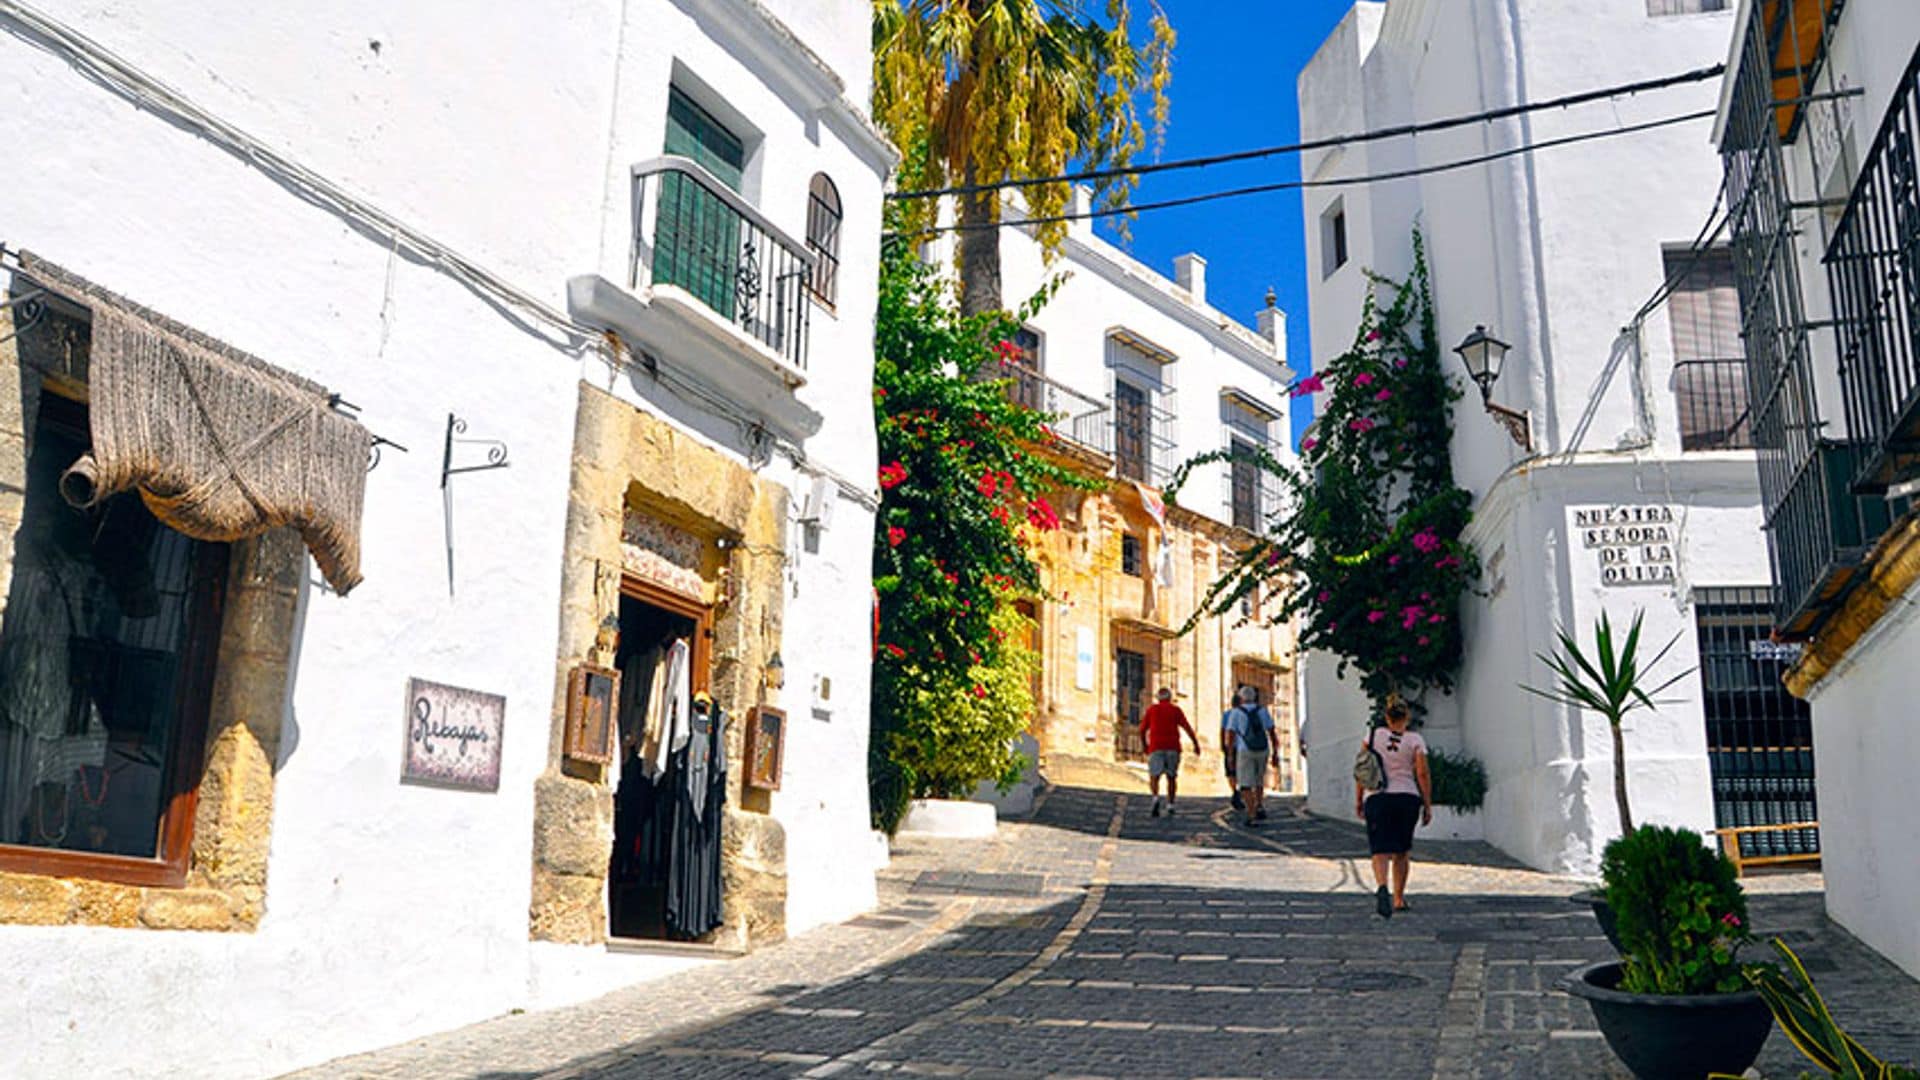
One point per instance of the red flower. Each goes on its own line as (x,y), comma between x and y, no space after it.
(1422,640)
(891,476)
(979,691)
(989,483)
(1041,515)
(895,651)
(895,534)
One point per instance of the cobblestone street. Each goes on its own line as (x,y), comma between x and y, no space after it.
(1097,940)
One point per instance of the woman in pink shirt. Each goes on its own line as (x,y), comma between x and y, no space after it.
(1390,813)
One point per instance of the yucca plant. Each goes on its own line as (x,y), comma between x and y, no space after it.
(1609,683)
(1800,1011)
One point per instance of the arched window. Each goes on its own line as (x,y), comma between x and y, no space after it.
(823,237)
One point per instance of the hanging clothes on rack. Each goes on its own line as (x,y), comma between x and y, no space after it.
(667,724)
(700,792)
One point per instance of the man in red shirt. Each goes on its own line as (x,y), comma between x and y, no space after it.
(1160,728)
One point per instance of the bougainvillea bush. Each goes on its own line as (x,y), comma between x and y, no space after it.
(1367,553)
(961,487)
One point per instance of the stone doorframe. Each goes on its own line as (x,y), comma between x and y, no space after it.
(626,459)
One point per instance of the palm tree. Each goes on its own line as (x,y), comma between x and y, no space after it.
(980,91)
(1608,684)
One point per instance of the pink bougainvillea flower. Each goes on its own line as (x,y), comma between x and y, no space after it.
(1436,618)
(1426,541)
(1400,363)
(1273,558)
(1393,560)
(1332,626)
(1373,335)
(1731,919)
(1375,616)
(1323,597)
(1410,615)
(1309,385)
(1422,640)
(1363,379)
(895,534)
(1383,395)
(1309,443)
(1362,425)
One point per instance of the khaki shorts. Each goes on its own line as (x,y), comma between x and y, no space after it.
(1164,763)
(1250,770)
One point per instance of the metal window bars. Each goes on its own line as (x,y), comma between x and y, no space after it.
(1711,399)
(694,233)
(1759,736)
(1873,266)
(1817,530)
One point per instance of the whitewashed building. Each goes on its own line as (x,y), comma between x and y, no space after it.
(596,285)
(1630,487)
(1819,126)
(1145,374)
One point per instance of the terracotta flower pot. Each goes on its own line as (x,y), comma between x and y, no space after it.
(1673,1036)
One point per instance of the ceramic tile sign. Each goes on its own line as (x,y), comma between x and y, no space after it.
(453,736)
(1083,658)
(1631,544)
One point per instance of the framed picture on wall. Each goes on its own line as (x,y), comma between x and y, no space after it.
(766,747)
(591,696)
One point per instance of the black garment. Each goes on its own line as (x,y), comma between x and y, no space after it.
(693,864)
(1391,816)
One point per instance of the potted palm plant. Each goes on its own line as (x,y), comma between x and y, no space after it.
(1608,682)
(1678,1004)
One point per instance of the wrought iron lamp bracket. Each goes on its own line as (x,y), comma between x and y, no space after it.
(1518,422)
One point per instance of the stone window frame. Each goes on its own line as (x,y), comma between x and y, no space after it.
(221,884)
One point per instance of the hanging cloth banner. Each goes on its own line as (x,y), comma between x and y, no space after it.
(221,446)
(1156,507)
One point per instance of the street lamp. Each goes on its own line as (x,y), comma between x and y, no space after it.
(1484,356)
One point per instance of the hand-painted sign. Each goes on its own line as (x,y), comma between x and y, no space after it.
(1634,545)
(453,736)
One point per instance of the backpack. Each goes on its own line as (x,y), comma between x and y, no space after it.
(1369,768)
(1254,739)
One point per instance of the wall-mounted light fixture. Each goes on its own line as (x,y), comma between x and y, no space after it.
(1484,356)
(776,672)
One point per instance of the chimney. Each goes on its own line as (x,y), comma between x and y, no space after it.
(1273,325)
(1190,270)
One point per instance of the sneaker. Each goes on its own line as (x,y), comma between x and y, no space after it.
(1169,809)
(1238,802)
(1156,808)
(1260,814)
(1383,902)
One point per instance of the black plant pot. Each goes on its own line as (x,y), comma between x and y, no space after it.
(1673,1037)
(1603,913)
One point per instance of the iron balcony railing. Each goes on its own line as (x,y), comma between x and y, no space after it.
(1873,266)
(1077,418)
(693,232)
(1818,530)
(1711,399)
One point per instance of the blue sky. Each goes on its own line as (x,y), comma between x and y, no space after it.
(1233,88)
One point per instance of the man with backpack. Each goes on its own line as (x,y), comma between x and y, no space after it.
(1250,740)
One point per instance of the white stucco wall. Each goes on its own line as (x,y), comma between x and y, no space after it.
(1554,252)
(395,910)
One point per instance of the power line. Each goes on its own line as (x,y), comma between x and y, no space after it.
(1419,127)
(1293,185)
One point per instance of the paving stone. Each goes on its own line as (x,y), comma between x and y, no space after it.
(1187,947)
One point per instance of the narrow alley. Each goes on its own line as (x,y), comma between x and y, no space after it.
(1093,939)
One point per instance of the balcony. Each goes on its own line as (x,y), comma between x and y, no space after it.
(1821,533)
(1711,399)
(713,290)
(1873,265)
(1137,435)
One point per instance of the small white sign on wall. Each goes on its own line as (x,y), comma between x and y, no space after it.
(1083,658)
(1635,544)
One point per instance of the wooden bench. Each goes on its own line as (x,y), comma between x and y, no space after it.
(1731,847)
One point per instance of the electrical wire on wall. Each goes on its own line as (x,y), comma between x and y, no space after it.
(524,310)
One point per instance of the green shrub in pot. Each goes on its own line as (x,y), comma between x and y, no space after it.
(1680,913)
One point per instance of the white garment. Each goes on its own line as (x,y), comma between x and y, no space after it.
(676,695)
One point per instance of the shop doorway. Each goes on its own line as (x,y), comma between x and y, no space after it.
(663,876)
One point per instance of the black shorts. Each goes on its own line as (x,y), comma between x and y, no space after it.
(1391,817)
